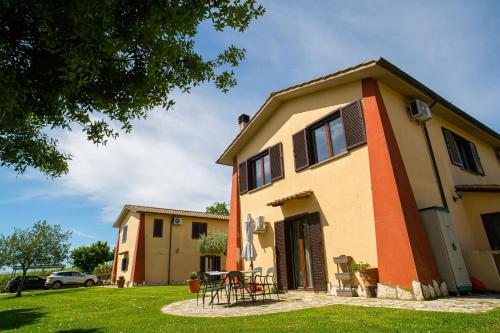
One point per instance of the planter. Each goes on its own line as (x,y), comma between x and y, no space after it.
(369,277)
(193,285)
(120,283)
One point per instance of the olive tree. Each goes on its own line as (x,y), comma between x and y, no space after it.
(96,65)
(40,244)
(213,243)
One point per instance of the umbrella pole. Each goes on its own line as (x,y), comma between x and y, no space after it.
(251,265)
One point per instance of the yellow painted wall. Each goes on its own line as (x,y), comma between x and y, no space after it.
(185,255)
(183,261)
(342,187)
(132,221)
(465,212)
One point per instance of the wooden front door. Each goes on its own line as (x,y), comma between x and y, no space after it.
(300,253)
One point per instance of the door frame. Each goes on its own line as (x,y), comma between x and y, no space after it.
(288,221)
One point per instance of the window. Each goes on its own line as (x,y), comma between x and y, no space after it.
(491,224)
(124,264)
(124,234)
(334,134)
(76,274)
(209,263)
(261,171)
(328,138)
(158,228)
(463,153)
(198,229)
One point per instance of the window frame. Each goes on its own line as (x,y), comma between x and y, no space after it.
(158,232)
(324,123)
(124,234)
(124,264)
(463,152)
(252,162)
(198,233)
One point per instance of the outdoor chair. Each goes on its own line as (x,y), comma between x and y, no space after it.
(266,282)
(238,285)
(213,285)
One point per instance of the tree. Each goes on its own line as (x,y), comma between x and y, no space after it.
(88,257)
(41,244)
(218,208)
(213,244)
(95,65)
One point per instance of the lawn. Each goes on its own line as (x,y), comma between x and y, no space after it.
(138,310)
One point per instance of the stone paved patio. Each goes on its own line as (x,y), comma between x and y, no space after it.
(293,301)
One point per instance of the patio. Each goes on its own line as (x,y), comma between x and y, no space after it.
(295,300)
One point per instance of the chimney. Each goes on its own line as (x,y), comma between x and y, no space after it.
(243,120)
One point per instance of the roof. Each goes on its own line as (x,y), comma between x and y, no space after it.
(298,196)
(478,188)
(166,211)
(379,69)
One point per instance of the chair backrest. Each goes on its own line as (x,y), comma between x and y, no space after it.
(236,278)
(270,271)
(257,270)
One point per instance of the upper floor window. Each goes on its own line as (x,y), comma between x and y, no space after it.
(198,229)
(124,234)
(328,138)
(158,228)
(463,153)
(334,134)
(261,170)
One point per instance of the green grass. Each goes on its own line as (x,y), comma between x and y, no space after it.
(138,310)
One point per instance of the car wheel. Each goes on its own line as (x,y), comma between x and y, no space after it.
(13,289)
(89,283)
(57,285)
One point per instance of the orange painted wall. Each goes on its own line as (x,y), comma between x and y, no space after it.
(403,251)
(115,260)
(138,274)
(233,261)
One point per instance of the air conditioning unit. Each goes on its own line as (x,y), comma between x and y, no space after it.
(177,220)
(260,225)
(420,111)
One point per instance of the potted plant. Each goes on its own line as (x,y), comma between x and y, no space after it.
(369,276)
(193,283)
(120,282)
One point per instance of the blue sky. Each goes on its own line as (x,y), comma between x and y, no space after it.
(169,159)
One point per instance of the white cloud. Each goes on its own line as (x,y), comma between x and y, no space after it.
(83,234)
(167,161)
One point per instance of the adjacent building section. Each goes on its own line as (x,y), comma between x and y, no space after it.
(158,246)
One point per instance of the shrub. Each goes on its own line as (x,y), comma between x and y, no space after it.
(360,267)
(214,244)
(103,269)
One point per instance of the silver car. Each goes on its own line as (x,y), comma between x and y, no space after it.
(70,278)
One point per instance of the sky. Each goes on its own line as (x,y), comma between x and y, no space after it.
(169,159)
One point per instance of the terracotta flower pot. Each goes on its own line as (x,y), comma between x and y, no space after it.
(369,277)
(120,283)
(193,285)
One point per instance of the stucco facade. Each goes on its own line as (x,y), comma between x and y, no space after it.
(165,259)
(369,198)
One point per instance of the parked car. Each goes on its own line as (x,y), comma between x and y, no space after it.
(31,282)
(70,278)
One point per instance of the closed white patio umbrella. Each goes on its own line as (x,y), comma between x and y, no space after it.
(249,253)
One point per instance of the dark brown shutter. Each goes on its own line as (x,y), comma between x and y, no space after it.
(354,125)
(477,160)
(449,137)
(317,252)
(279,234)
(243,177)
(300,150)
(276,158)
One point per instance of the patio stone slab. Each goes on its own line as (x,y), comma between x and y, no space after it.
(293,301)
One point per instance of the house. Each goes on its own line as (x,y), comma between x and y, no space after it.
(158,246)
(339,166)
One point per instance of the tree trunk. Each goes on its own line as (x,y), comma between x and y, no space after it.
(21,284)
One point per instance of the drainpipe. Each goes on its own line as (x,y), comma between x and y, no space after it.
(433,159)
(170,249)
